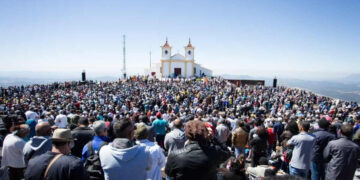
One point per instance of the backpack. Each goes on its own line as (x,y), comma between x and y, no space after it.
(287,155)
(92,163)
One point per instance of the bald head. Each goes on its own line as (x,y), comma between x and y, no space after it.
(43,129)
(177,124)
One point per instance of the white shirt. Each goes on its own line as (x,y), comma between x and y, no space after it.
(12,152)
(165,117)
(31,115)
(157,157)
(42,120)
(61,121)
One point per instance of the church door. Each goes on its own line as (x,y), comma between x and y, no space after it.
(177,71)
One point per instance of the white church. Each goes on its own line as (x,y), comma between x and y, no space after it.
(178,65)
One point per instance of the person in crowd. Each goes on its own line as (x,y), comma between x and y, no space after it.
(356,137)
(239,139)
(341,156)
(160,126)
(279,129)
(40,143)
(257,123)
(197,160)
(61,120)
(302,152)
(258,145)
(57,164)
(121,158)
(157,155)
(271,139)
(176,138)
(82,135)
(91,122)
(145,96)
(32,124)
(234,170)
(12,152)
(222,131)
(322,138)
(291,129)
(260,169)
(30,114)
(151,130)
(100,139)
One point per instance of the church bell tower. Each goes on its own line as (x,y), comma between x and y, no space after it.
(189,51)
(166,51)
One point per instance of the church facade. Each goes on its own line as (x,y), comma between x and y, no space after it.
(178,65)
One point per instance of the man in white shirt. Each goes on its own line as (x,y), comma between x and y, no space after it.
(157,156)
(61,120)
(30,114)
(12,152)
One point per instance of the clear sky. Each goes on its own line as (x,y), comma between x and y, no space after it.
(293,38)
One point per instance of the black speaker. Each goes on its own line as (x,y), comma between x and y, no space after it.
(274,82)
(83,76)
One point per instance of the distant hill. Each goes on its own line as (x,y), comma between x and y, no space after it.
(228,76)
(346,89)
(353,78)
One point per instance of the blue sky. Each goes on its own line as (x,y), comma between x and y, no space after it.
(308,39)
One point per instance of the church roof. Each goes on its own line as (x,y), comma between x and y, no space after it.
(166,44)
(177,56)
(189,44)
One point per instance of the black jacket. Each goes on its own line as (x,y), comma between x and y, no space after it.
(342,155)
(258,145)
(195,161)
(82,135)
(322,138)
(64,168)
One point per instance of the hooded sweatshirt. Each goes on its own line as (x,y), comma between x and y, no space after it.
(174,140)
(122,160)
(37,145)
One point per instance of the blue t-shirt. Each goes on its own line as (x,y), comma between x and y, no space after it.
(96,143)
(160,126)
(31,123)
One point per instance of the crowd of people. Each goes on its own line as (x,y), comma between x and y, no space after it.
(208,128)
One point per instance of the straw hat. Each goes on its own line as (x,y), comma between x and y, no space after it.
(62,135)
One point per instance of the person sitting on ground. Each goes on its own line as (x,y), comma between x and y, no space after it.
(259,170)
(234,169)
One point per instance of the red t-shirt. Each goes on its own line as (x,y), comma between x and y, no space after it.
(272,135)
